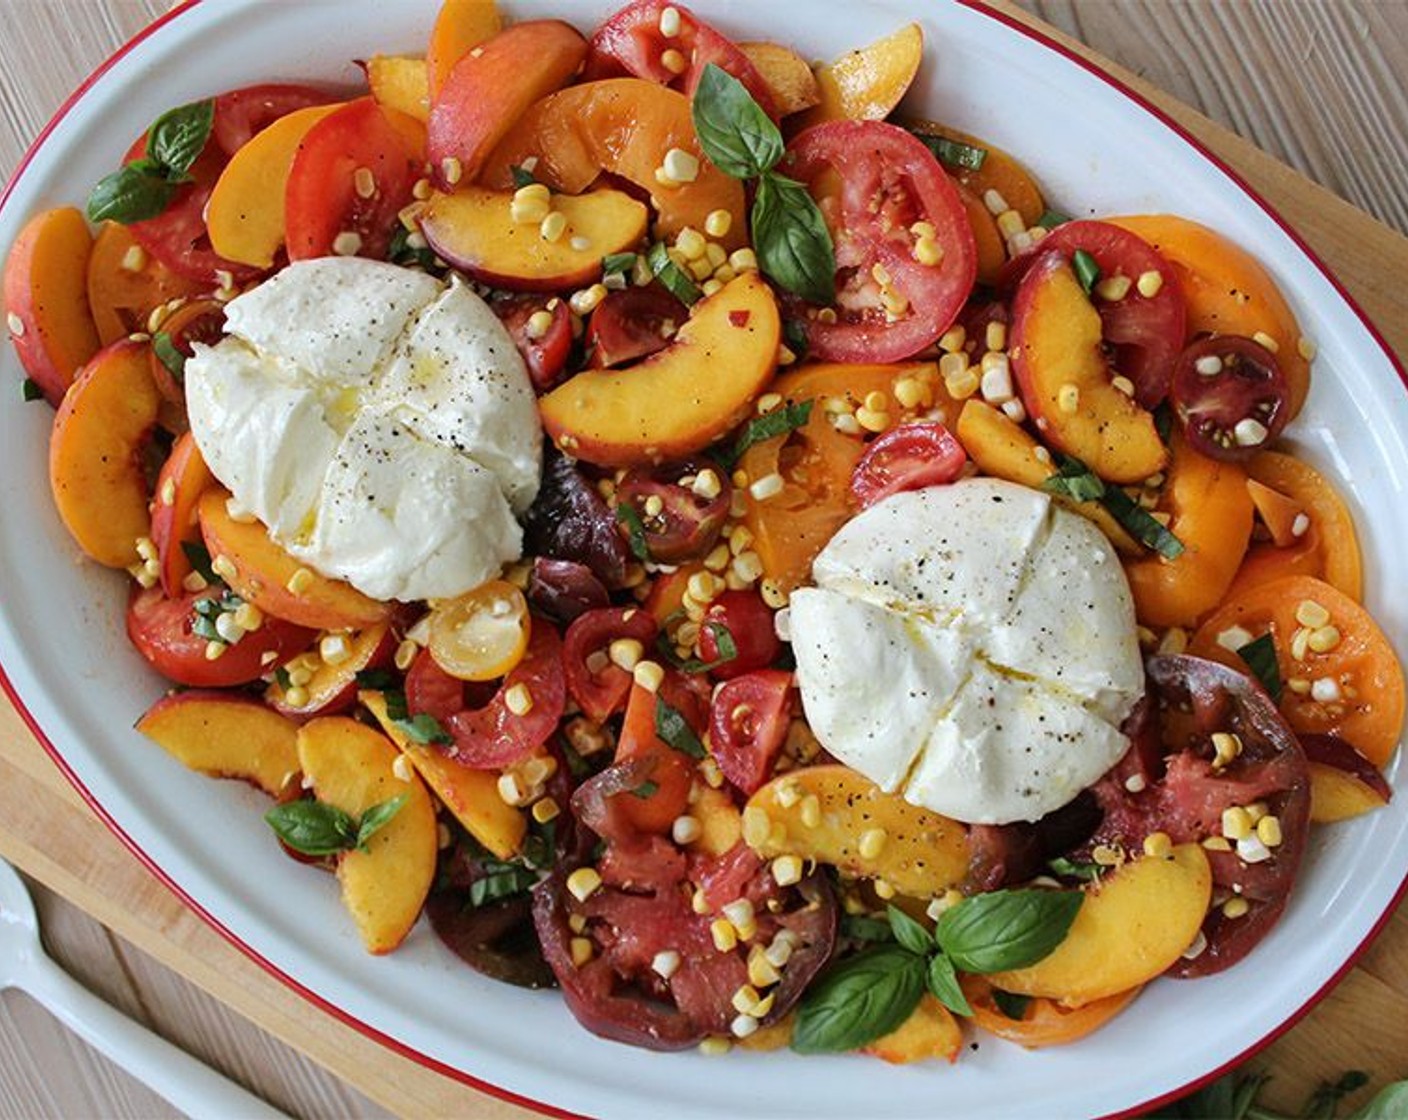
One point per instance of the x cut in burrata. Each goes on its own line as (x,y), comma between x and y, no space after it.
(972,647)
(380,422)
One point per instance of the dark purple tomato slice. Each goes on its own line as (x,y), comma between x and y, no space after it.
(681,516)
(570,520)
(632,324)
(1230,397)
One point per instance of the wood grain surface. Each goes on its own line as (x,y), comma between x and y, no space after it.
(1318,84)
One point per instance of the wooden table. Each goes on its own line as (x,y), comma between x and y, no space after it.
(1316,83)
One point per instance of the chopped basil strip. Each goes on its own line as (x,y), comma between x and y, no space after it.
(792,243)
(776,423)
(169,356)
(617,263)
(955,153)
(1087,271)
(312,827)
(178,136)
(1073,479)
(381,680)
(796,336)
(635,531)
(1260,658)
(420,728)
(1006,929)
(1073,869)
(1050,219)
(675,279)
(378,817)
(674,729)
(207,611)
(737,136)
(501,880)
(862,998)
(723,641)
(943,983)
(282,679)
(1163,421)
(199,557)
(646,789)
(401,252)
(522,177)
(30,389)
(1011,1004)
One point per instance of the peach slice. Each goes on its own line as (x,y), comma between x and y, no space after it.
(474,230)
(333,687)
(274,581)
(46,299)
(226,736)
(125,283)
(925,853)
(659,408)
(399,83)
(1003,449)
(1065,380)
(1337,795)
(1131,927)
(245,214)
(183,479)
(491,87)
(95,467)
(866,84)
(460,26)
(622,126)
(353,768)
(789,79)
(472,796)
(931,1031)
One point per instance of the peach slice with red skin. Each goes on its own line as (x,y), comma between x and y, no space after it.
(789,80)
(333,688)
(384,886)
(270,578)
(226,735)
(46,299)
(491,87)
(95,468)
(681,398)
(126,283)
(1065,380)
(183,479)
(474,229)
(460,26)
(622,126)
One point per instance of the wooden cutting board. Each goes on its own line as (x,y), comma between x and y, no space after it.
(46,829)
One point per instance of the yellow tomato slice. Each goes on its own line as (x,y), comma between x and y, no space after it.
(483,634)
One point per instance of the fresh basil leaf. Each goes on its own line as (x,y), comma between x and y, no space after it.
(1072,869)
(132,193)
(1389,1103)
(858,927)
(646,790)
(909,932)
(738,137)
(169,356)
(30,390)
(312,827)
(954,153)
(942,979)
(795,335)
(177,137)
(1006,929)
(791,240)
(1087,271)
(1163,421)
(617,263)
(282,679)
(500,880)
(1050,219)
(723,641)
(522,177)
(861,999)
(1011,1004)
(635,531)
(1260,657)
(379,680)
(378,817)
(1140,524)
(778,422)
(674,729)
(424,728)
(199,557)
(675,279)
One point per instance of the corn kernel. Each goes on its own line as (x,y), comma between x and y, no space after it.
(718,223)
(334,649)
(1236,823)
(518,699)
(539,323)
(583,883)
(1261,338)
(871,843)
(1312,614)
(451,170)
(649,675)
(871,420)
(1150,283)
(582,951)
(1114,288)
(1268,831)
(1158,845)
(1323,639)
(1226,747)
(787,870)
(626,653)
(1235,907)
(1068,398)
(680,165)
(296,696)
(743,260)
(686,829)
(928,252)
(911,393)
(809,812)
(673,61)
(553,226)
(724,935)
(299,582)
(1009,223)
(769,486)
(545,809)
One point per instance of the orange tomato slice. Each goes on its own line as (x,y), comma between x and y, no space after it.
(1044,1022)
(483,634)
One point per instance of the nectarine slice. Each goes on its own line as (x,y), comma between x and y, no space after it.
(245,214)
(680,399)
(95,469)
(184,477)
(1066,382)
(474,229)
(472,796)
(399,83)
(226,736)
(460,26)
(1130,928)
(273,580)
(867,83)
(353,768)
(1337,795)
(623,126)
(789,79)
(125,283)
(930,1032)
(46,299)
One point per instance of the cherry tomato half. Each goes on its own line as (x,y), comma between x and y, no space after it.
(544,351)
(680,521)
(889,183)
(748,623)
(495,735)
(1230,397)
(747,725)
(909,457)
(201,320)
(632,324)
(600,691)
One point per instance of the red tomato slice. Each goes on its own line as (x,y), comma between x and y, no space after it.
(747,725)
(889,182)
(631,324)
(160,628)
(1146,333)
(909,457)
(322,200)
(1230,397)
(493,736)
(631,43)
(241,113)
(684,525)
(545,353)
(602,693)
(748,622)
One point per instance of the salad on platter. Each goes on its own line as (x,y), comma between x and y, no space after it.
(708,542)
